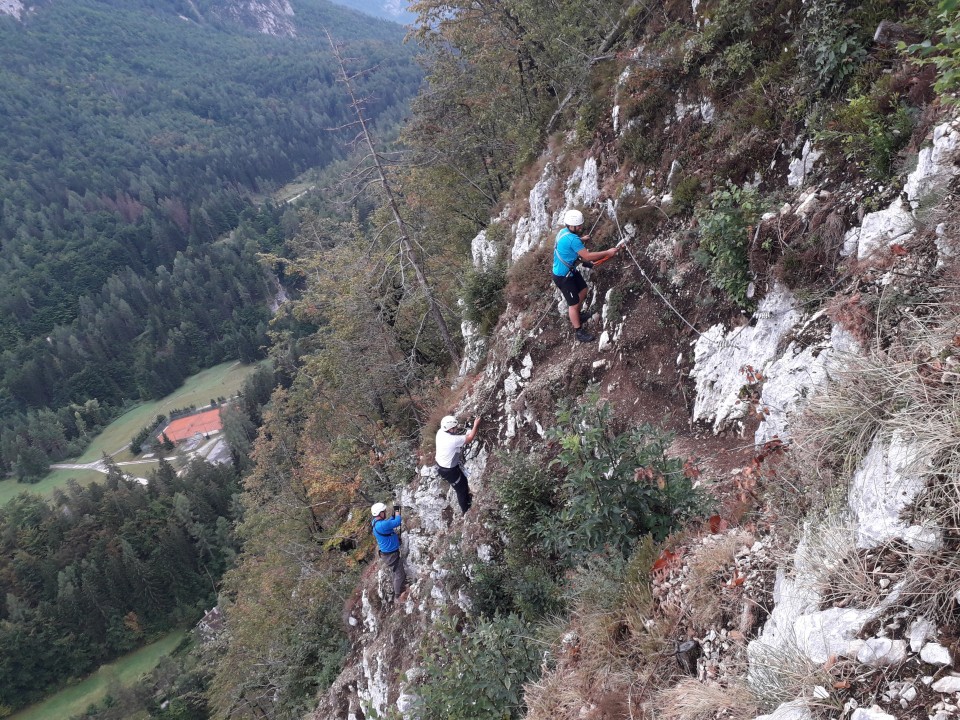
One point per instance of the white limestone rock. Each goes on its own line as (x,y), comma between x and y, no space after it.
(872,713)
(795,377)
(884,484)
(527,367)
(947,684)
(923,538)
(883,228)
(801,167)
(474,346)
(936,654)
(512,384)
(429,499)
(882,652)
(531,229)
(483,251)
(406,704)
(935,169)
(830,632)
(370,621)
(919,632)
(793,710)
(583,188)
(808,204)
(935,165)
(604,343)
(475,464)
(720,356)
(373,695)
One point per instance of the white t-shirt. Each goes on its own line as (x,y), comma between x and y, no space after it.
(448,448)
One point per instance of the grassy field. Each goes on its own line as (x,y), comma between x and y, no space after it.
(222,380)
(219,381)
(127,670)
(58,478)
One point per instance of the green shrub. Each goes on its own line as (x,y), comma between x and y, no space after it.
(725,240)
(832,44)
(483,296)
(514,586)
(642,146)
(945,54)
(479,673)
(526,493)
(686,193)
(868,133)
(617,486)
(145,433)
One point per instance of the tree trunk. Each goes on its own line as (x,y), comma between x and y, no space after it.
(405,246)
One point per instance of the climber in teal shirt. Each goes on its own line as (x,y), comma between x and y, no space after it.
(568,251)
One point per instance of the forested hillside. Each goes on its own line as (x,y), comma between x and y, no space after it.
(149,132)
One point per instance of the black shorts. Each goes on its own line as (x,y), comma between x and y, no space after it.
(570,286)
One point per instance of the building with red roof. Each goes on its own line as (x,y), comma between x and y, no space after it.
(203,423)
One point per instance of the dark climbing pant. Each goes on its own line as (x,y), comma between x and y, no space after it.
(458,481)
(393,561)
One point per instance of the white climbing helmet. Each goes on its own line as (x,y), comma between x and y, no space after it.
(449,422)
(377,508)
(573,218)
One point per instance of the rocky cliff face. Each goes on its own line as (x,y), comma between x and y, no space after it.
(12,7)
(270,17)
(735,386)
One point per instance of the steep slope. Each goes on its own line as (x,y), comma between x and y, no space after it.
(773,266)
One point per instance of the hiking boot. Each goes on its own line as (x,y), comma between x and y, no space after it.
(583,336)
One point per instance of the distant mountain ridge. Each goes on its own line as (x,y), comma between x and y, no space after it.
(395,10)
(269,17)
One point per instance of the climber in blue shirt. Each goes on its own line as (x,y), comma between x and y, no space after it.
(389,543)
(568,251)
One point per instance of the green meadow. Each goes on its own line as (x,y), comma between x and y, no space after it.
(75,699)
(222,380)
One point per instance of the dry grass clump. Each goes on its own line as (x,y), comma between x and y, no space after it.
(712,566)
(780,673)
(691,699)
(611,655)
(908,392)
(529,277)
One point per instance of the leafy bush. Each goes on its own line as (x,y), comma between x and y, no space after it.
(514,586)
(479,673)
(617,487)
(686,193)
(526,494)
(868,133)
(725,237)
(945,54)
(483,296)
(832,45)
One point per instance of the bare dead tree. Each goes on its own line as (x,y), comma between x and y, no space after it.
(405,244)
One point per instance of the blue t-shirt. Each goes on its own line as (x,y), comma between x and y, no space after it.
(568,246)
(387,539)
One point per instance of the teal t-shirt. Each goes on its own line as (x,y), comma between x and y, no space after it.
(567,247)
